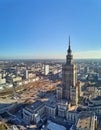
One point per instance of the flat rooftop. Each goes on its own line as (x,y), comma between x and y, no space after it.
(51,104)
(34,105)
(54,126)
(84,123)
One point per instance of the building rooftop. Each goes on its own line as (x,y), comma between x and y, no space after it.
(51,104)
(54,126)
(95,102)
(63,101)
(85,121)
(97,98)
(32,107)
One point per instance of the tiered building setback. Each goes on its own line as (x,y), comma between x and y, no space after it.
(69,79)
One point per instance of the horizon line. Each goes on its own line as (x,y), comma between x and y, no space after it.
(48,59)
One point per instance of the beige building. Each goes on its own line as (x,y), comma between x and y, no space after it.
(2,81)
(16,79)
(69,78)
(31,75)
(86,121)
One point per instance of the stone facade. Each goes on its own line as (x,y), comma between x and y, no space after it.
(33,113)
(62,108)
(69,79)
(59,92)
(72,116)
(51,109)
(86,121)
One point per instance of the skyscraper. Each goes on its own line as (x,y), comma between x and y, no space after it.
(46,69)
(69,78)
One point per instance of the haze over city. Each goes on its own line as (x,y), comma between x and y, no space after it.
(40,28)
(50,65)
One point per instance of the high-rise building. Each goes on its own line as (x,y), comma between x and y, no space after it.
(69,78)
(26,74)
(46,69)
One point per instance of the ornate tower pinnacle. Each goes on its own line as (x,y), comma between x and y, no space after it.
(69,56)
(69,40)
(69,47)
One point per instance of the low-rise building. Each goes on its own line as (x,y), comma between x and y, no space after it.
(72,114)
(13,78)
(86,121)
(54,126)
(16,79)
(31,75)
(51,109)
(2,81)
(18,83)
(33,113)
(95,105)
(4,86)
(62,108)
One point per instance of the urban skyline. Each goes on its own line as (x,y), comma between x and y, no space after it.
(51,95)
(40,29)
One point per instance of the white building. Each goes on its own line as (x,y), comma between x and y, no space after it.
(2,81)
(3,86)
(46,69)
(33,113)
(26,74)
(0,75)
(16,79)
(62,108)
(51,109)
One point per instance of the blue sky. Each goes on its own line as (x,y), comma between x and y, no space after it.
(40,28)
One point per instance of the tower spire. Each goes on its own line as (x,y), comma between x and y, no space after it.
(69,40)
(69,56)
(69,47)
